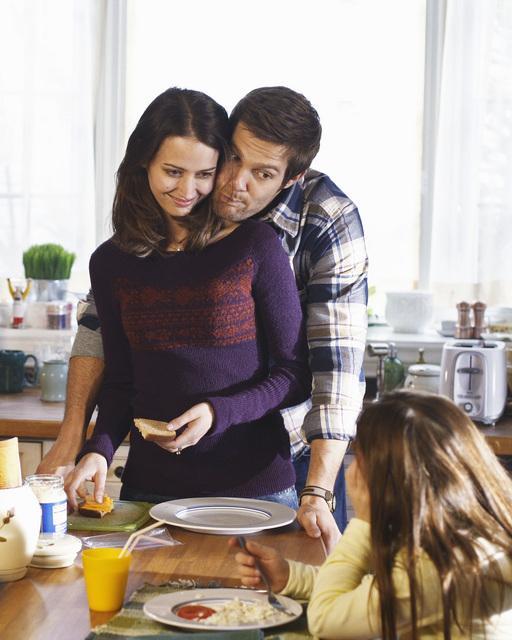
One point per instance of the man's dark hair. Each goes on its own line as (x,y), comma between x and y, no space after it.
(282,116)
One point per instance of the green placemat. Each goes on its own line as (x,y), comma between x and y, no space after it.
(131,623)
(126,516)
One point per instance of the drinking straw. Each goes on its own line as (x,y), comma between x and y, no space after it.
(134,538)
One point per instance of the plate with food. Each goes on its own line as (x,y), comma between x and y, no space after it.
(223,516)
(109,515)
(220,610)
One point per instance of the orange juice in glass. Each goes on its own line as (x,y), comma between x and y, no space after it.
(106,575)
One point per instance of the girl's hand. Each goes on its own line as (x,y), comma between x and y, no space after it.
(357,490)
(272,562)
(93,467)
(199,420)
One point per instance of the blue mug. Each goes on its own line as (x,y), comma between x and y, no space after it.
(13,376)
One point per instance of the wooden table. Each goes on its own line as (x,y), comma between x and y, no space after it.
(24,415)
(50,604)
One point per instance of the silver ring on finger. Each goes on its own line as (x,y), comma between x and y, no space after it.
(178,451)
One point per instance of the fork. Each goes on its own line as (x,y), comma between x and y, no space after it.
(271,596)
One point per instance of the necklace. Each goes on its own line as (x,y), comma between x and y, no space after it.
(177,245)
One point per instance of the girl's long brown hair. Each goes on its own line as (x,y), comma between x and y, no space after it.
(139,224)
(435,487)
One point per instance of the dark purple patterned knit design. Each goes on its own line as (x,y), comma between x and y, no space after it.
(206,314)
(223,325)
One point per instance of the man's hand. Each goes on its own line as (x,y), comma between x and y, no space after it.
(316,519)
(271,561)
(314,514)
(93,467)
(198,420)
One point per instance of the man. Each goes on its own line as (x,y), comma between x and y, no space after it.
(275,137)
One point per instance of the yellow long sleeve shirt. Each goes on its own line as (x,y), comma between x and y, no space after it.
(343,603)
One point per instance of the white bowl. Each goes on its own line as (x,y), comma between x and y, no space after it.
(409,311)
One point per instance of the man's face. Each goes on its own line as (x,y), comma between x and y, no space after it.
(251,178)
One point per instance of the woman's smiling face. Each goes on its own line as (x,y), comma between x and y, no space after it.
(181,174)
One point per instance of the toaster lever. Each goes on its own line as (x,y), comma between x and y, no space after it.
(469,370)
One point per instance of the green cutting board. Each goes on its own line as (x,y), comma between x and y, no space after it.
(126,516)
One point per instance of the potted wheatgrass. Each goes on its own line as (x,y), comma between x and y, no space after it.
(49,268)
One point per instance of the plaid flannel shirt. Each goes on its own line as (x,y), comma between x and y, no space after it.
(321,232)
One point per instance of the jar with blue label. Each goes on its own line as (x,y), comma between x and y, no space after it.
(49,490)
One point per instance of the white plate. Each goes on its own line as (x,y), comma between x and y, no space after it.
(226,516)
(162,608)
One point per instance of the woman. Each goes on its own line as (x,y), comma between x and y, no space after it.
(201,324)
(428,554)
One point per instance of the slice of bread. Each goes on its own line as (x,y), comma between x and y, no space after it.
(155,428)
(92,509)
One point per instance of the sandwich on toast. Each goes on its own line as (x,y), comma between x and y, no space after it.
(155,428)
(92,509)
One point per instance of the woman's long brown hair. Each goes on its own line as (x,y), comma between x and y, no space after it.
(139,224)
(435,487)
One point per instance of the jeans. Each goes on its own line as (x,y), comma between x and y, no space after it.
(287,497)
(301,464)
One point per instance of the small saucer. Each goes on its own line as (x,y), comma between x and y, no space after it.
(53,552)
(9,575)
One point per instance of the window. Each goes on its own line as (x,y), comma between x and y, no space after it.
(47,128)
(433,186)
(360,63)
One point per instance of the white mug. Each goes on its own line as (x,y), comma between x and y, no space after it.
(53,379)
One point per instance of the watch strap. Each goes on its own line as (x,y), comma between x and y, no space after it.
(319,492)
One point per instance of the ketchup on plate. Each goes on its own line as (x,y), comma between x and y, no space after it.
(194,612)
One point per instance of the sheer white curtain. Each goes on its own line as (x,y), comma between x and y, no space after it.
(472,205)
(47,102)
(361,65)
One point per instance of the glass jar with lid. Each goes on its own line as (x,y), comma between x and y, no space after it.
(49,490)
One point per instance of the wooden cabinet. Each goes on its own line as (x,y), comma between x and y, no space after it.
(32,452)
(113,484)
(30,456)
(37,424)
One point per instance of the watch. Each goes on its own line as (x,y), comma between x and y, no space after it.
(319,492)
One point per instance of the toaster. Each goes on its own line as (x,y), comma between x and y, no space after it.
(474,376)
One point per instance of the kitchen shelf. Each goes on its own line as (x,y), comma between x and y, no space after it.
(407,345)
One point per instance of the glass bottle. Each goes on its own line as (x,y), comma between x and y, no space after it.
(394,370)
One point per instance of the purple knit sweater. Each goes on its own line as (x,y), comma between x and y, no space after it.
(223,325)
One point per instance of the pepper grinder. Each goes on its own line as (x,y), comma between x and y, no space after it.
(479,320)
(463,328)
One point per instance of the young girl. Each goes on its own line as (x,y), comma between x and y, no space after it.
(428,554)
(201,324)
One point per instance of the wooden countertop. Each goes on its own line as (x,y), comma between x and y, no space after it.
(26,416)
(50,604)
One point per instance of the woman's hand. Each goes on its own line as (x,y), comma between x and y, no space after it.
(199,420)
(271,561)
(357,490)
(93,467)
